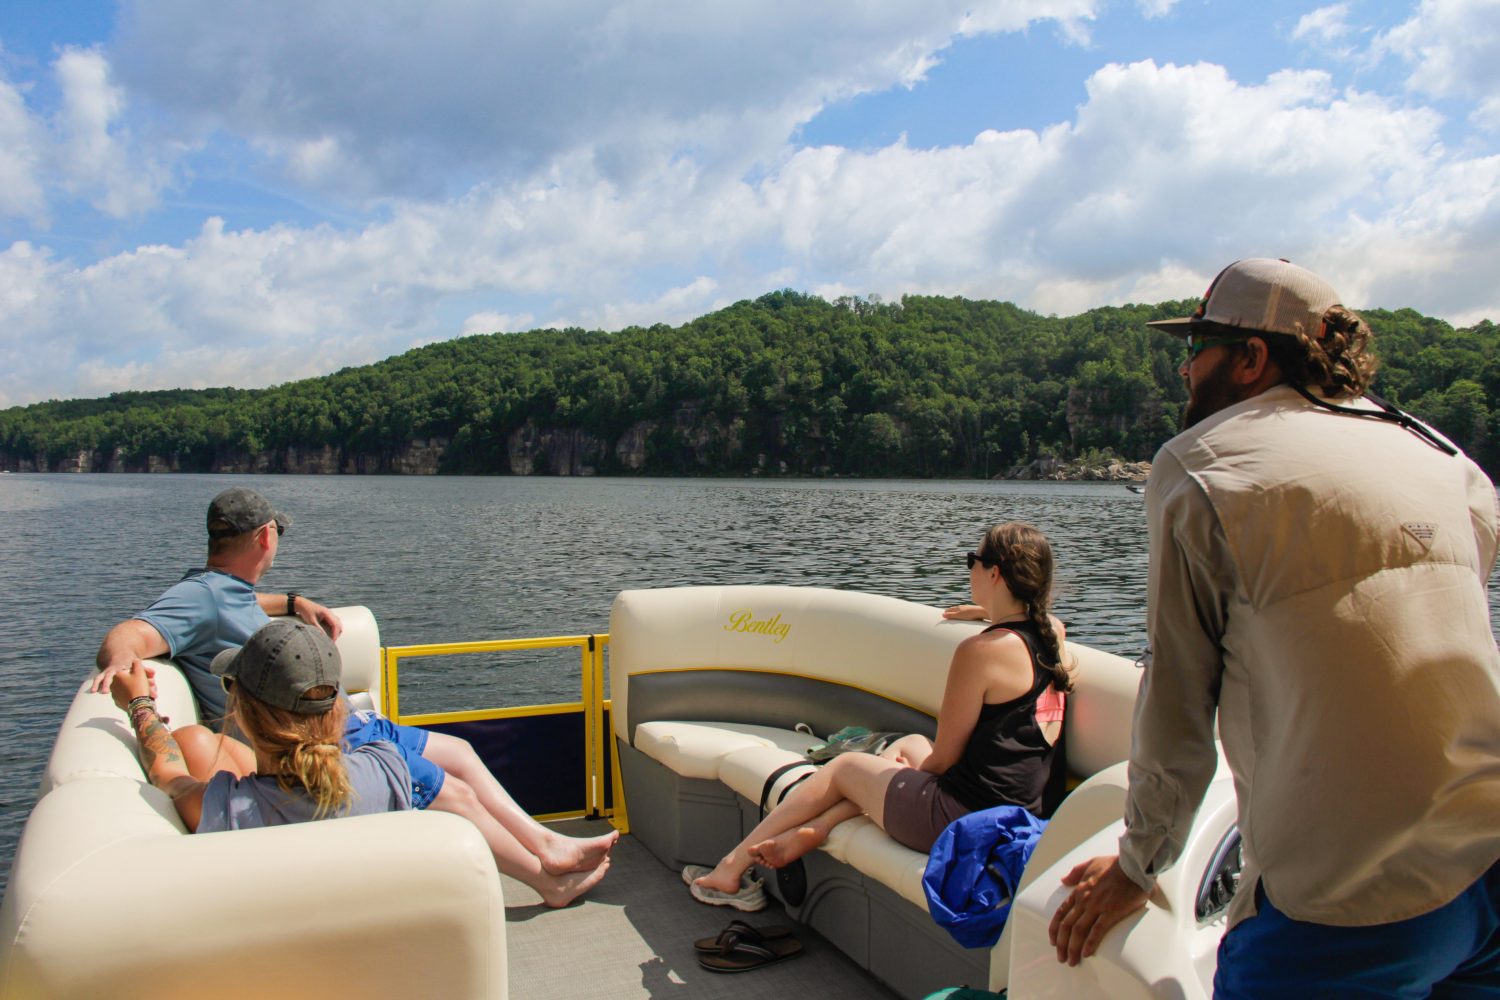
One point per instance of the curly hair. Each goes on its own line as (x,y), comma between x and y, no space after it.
(1336,362)
(1024,557)
(306,748)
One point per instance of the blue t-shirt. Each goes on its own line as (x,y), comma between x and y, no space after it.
(200,616)
(377,771)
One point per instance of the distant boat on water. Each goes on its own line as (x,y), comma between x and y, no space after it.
(1136,487)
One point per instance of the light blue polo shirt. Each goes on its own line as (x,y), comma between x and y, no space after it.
(200,616)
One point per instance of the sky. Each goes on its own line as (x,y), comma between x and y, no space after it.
(245,194)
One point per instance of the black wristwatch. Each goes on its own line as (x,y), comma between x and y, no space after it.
(291,602)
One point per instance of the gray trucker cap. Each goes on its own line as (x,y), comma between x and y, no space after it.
(281,662)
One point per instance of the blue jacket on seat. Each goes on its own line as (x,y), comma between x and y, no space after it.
(974,868)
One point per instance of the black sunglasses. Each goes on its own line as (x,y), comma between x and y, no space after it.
(974,557)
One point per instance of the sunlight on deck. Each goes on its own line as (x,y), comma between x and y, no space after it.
(633,937)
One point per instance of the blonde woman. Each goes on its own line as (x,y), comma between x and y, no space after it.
(284,694)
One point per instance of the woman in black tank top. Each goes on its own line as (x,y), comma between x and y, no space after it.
(998,737)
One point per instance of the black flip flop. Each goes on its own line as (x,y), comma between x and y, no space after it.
(738,954)
(755,935)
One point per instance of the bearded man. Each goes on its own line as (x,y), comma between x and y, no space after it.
(1317,583)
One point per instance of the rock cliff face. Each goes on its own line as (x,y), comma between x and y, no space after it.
(565,452)
(420,457)
(631,448)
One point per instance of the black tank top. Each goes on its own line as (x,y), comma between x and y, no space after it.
(1007,760)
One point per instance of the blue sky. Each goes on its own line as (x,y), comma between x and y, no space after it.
(197,195)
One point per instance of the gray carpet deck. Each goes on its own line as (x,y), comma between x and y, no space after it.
(632,936)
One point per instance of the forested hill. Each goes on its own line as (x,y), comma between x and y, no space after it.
(786,384)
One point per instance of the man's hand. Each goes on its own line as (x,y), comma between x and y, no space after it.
(108,678)
(123,648)
(131,683)
(965,613)
(315,614)
(1102,896)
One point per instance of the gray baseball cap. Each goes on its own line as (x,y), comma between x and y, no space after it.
(238,510)
(1260,295)
(281,662)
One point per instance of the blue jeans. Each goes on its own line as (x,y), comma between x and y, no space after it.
(1452,952)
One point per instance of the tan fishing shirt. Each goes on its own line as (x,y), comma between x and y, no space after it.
(1319,581)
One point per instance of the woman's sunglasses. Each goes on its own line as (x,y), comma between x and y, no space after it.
(974,557)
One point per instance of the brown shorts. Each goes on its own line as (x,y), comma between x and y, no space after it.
(917,810)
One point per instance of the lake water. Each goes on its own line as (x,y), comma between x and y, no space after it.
(451,559)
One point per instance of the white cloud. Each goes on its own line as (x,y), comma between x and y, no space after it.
(1155,185)
(675,305)
(1158,169)
(590,178)
(81,150)
(421,99)
(95,155)
(1326,24)
(21,154)
(1152,9)
(1453,47)
(493,322)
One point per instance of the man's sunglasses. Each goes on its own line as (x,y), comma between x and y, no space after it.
(974,557)
(1196,345)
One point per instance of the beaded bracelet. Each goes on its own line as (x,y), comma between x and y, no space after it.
(139,708)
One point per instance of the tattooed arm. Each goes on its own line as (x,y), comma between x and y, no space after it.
(161,757)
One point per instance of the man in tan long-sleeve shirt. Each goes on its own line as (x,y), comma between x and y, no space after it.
(1317,582)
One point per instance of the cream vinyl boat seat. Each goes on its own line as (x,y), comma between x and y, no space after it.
(111,896)
(708,687)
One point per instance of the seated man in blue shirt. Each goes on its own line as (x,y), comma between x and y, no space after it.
(216,607)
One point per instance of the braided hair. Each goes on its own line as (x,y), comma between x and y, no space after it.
(1024,557)
(1334,359)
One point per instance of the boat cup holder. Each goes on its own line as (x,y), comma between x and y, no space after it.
(1221,878)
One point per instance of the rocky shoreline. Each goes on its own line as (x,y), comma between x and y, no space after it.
(1058,470)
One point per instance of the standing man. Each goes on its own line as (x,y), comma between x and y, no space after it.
(217,608)
(1317,581)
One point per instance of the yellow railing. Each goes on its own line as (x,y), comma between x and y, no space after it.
(591,703)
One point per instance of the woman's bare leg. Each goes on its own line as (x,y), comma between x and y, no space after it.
(786,847)
(511,856)
(860,778)
(558,854)
(206,753)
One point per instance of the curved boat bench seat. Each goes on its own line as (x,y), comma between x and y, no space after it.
(111,896)
(708,685)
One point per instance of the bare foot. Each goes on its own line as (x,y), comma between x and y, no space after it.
(784,848)
(576,854)
(560,890)
(724,878)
